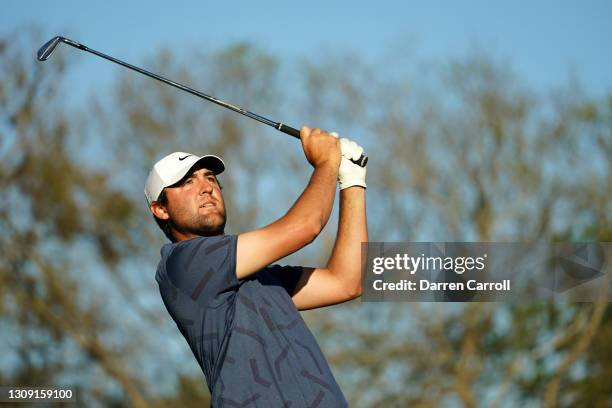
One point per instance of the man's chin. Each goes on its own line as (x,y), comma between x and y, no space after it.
(212,225)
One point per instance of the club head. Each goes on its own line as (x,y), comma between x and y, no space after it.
(45,51)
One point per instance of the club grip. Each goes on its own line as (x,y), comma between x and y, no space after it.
(361,161)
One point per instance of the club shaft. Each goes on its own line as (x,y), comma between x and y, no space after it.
(175,84)
(276,125)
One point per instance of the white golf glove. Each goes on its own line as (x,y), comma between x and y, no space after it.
(350,174)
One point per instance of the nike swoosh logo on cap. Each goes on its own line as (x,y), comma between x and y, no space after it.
(183,158)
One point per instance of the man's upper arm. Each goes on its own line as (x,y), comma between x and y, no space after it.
(261,247)
(319,287)
(309,288)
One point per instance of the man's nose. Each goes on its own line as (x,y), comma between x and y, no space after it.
(205,185)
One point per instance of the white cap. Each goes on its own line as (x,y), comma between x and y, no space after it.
(173,168)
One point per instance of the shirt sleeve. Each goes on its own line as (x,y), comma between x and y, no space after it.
(204,268)
(285,276)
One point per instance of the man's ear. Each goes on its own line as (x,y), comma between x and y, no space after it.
(159,210)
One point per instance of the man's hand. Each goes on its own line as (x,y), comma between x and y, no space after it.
(320,147)
(351,174)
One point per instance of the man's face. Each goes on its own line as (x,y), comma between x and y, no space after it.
(195,206)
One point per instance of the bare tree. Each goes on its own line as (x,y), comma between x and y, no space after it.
(464,150)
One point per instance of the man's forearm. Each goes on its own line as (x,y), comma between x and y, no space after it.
(345,260)
(316,202)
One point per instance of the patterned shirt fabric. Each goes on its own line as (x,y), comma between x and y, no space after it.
(248,337)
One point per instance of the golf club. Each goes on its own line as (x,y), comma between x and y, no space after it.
(47,49)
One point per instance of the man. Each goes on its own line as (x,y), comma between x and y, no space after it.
(238,313)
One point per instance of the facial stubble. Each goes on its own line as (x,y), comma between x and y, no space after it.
(208,224)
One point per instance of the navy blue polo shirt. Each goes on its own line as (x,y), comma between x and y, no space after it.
(248,337)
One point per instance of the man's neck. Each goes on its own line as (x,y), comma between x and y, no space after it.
(184,237)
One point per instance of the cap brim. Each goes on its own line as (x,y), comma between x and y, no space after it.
(210,162)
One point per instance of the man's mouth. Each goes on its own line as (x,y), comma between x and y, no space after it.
(207,205)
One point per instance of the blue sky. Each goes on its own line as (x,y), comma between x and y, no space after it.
(543,40)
